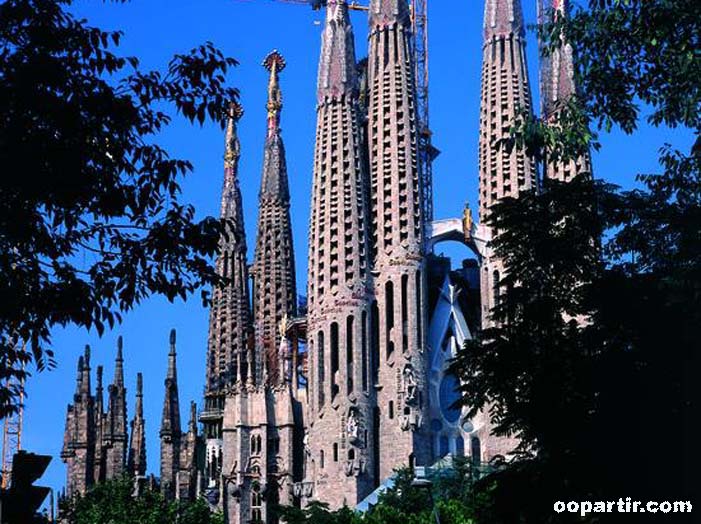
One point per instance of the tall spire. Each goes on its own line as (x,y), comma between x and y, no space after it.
(137,443)
(339,263)
(274,294)
(230,316)
(505,171)
(397,205)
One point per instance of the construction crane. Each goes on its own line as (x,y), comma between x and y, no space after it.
(318,4)
(427,153)
(12,430)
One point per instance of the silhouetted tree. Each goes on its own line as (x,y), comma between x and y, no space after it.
(593,359)
(91,216)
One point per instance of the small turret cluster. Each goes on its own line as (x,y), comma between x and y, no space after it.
(98,446)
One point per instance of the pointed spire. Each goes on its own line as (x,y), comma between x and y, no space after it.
(388,12)
(502,18)
(85,372)
(119,364)
(274,184)
(274,292)
(137,443)
(337,65)
(170,422)
(172,356)
(275,64)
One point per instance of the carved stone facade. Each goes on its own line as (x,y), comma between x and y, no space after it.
(323,402)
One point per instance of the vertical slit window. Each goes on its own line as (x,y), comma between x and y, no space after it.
(389,317)
(350,321)
(334,360)
(405,316)
(364,350)
(320,352)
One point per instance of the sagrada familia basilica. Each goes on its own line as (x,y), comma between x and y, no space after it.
(324,400)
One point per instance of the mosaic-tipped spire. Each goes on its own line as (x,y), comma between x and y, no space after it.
(337,65)
(503,18)
(274,286)
(275,64)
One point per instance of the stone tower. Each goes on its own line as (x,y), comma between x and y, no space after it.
(339,458)
(136,462)
(274,287)
(557,87)
(397,228)
(505,169)
(230,332)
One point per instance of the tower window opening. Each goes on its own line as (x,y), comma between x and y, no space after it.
(335,452)
(334,360)
(389,316)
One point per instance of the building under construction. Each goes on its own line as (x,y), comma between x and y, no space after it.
(323,400)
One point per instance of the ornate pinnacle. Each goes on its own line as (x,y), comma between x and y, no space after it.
(233,148)
(275,64)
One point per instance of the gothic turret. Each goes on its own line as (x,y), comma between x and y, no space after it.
(274,287)
(339,271)
(137,443)
(557,87)
(170,426)
(399,315)
(79,439)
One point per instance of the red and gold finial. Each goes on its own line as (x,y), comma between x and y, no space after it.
(275,63)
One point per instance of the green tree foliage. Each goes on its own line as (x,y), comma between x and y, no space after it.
(114,502)
(451,498)
(91,216)
(594,357)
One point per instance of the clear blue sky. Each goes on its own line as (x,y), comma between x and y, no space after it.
(248,30)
